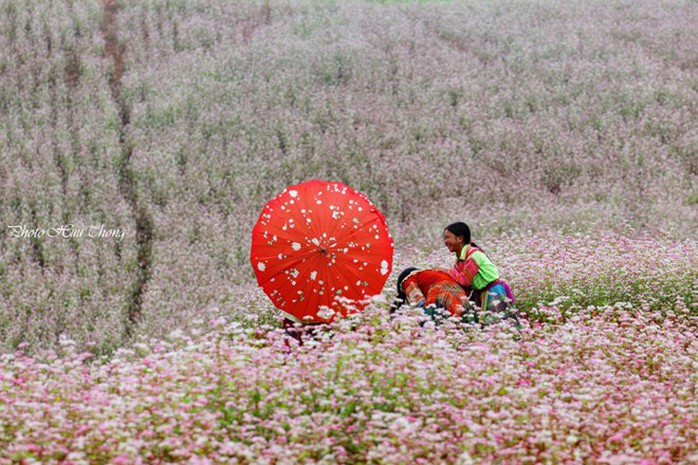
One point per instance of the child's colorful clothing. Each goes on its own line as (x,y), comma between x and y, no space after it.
(475,272)
(435,288)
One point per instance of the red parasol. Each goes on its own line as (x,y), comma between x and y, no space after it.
(318,244)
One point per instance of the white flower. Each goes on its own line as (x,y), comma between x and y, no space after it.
(325,313)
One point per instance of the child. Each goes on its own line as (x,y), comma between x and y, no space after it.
(430,289)
(477,274)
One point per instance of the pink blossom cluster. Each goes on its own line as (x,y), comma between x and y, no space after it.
(652,272)
(613,387)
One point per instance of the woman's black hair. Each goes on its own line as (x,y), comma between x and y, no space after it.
(461,229)
(401,296)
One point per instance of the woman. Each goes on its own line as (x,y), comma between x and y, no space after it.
(477,274)
(431,289)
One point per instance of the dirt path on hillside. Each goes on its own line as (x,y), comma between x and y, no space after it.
(115,52)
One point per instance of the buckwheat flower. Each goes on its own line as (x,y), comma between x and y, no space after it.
(141,348)
(65,341)
(326,313)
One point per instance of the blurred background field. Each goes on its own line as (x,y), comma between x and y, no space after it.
(563,132)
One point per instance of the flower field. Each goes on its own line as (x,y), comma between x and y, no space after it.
(582,382)
(610,385)
(140,140)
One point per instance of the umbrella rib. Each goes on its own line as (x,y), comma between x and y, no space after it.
(356,231)
(290,263)
(348,271)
